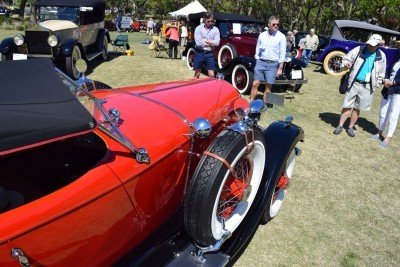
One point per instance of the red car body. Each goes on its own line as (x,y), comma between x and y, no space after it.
(109,202)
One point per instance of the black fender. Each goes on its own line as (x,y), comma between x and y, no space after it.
(100,38)
(280,139)
(189,45)
(67,46)
(7,45)
(248,62)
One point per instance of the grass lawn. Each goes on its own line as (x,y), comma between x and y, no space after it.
(342,208)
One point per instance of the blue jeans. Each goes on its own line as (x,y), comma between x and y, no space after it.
(306,55)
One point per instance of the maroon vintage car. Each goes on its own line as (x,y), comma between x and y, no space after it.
(176,174)
(235,54)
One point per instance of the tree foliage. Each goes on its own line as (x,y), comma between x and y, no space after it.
(294,14)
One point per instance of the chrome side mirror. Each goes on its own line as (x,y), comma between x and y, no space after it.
(202,127)
(81,66)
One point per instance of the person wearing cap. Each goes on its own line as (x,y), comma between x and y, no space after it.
(206,36)
(311,45)
(270,56)
(366,75)
(184,33)
(390,104)
(173,34)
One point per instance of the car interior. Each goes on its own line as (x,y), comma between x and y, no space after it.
(36,172)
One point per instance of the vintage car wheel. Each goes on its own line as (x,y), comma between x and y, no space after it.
(215,194)
(332,63)
(70,63)
(278,196)
(104,54)
(242,79)
(226,54)
(190,58)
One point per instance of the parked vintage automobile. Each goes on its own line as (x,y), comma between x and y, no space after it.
(235,54)
(146,175)
(64,31)
(346,35)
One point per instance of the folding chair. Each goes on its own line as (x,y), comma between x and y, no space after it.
(120,43)
(160,48)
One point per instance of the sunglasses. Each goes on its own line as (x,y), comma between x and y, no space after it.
(209,21)
(275,24)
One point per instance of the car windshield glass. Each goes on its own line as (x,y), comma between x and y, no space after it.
(362,35)
(251,28)
(105,121)
(57,13)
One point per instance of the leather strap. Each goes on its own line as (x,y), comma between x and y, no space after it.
(222,160)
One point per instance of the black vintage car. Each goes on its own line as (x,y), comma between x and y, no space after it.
(63,30)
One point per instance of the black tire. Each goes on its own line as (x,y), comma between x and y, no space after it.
(226,54)
(70,63)
(215,193)
(104,54)
(276,199)
(190,58)
(242,79)
(98,85)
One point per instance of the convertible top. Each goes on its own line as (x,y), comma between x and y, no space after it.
(36,107)
(339,24)
(226,16)
(70,3)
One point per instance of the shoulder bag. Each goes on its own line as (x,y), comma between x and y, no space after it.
(344,81)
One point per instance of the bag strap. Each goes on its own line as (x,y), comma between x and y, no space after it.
(352,65)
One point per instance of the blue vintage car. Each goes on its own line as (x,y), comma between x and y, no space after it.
(346,35)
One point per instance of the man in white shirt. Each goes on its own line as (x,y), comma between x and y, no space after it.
(270,56)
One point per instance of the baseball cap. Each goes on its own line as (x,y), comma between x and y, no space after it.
(374,40)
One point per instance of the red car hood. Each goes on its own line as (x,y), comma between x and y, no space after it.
(157,117)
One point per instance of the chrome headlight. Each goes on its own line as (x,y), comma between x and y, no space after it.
(19,39)
(52,40)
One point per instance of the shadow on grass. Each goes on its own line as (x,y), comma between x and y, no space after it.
(333,120)
(99,60)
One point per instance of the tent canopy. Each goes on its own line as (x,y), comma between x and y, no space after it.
(193,7)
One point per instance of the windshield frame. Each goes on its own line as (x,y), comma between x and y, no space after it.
(105,121)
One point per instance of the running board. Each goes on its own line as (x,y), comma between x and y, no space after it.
(187,257)
(93,55)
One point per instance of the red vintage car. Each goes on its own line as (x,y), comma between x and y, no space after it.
(176,174)
(235,53)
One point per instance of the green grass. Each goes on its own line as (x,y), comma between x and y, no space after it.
(342,208)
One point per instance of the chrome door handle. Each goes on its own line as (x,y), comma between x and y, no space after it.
(19,255)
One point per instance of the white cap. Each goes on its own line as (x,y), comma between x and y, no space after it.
(374,40)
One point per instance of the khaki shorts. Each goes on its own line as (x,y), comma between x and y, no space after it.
(359,97)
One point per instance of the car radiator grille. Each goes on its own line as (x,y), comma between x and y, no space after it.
(37,42)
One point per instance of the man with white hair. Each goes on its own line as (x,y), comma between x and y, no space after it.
(311,45)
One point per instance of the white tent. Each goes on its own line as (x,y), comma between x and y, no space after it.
(193,7)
